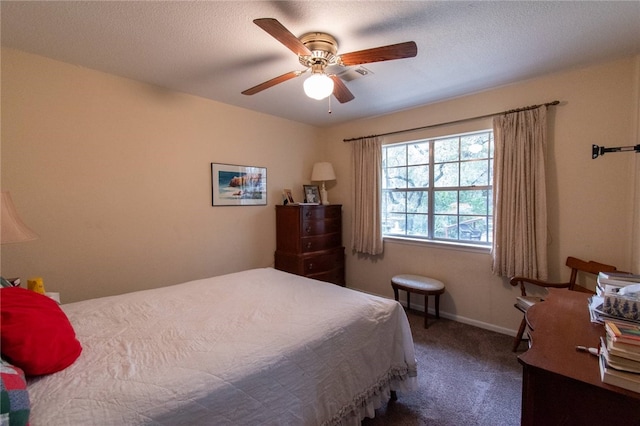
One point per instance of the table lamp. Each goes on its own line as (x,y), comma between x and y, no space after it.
(12,228)
(323,172)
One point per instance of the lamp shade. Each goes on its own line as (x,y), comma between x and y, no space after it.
(323,171)
(13,229)
(318,86)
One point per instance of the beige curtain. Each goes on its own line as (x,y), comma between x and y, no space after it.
(366,229)
(520,204)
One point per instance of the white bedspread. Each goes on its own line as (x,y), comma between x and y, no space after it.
(260,347)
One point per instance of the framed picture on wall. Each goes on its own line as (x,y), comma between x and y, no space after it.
(233,185)
(311,194)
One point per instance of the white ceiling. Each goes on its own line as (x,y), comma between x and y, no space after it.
(213,49)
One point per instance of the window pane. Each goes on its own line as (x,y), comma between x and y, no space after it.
(445,227)
(418,176)
(395,177)
(418,225)
(395,202)
(474,202)
(474,146)
(474,173)
(418,202)
(394,224)
(472,228)
(446,150)
(396,156)
(418,153)
(445,202)
(445,175)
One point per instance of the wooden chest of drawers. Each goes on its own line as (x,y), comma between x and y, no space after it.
(309,242)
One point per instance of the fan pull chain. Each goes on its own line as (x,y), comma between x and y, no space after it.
(329,104)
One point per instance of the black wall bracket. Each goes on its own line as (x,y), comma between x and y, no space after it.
(597,151)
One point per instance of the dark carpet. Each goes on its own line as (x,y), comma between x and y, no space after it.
(466,376)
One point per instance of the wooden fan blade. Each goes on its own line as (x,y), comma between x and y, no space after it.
(270,83)
(340,91)
(283,35)
(408,49)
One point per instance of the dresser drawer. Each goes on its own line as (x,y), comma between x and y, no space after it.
(320,212)
(335,276)
(323,262)
(319,227)
(321,242)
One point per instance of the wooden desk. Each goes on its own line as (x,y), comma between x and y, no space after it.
(562,386)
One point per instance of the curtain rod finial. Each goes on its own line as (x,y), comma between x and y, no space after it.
(595,151)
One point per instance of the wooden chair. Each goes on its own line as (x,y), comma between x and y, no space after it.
(525,301)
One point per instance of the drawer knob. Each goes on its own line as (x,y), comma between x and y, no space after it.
(307,229)
(307,214)
(309,245)
(310,266)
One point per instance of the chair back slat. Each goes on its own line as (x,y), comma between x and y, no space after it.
(591,267)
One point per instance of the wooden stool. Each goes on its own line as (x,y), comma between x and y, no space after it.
(419,285)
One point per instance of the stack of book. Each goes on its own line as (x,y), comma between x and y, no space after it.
(617,298)
(620,355)
(614,281)
(616,304)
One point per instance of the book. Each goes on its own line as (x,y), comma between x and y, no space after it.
(622,350)
(622,304)
(623,379)
(620,276)
(599,314)
(525,302)
(619,362)
(623,332)
(617,279)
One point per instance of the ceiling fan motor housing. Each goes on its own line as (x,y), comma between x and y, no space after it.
(323,49)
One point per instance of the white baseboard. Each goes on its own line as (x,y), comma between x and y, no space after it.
(464,320)
(453,317)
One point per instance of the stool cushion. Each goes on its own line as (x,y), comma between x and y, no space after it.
(418,282)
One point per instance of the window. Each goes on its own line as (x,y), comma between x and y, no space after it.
(439,189)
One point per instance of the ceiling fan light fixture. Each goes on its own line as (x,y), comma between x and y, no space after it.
(318,51)
(318,86)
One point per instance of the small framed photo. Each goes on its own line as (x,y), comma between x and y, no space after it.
(288,196)
(233,185)
(312,194)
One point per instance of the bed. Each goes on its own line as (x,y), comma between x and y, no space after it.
(259,347)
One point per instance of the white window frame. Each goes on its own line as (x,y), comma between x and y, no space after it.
(478,236)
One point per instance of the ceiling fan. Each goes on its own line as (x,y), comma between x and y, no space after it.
(317,51)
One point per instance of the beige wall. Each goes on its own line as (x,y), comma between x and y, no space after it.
(114,176)
(591,202)
(635,259)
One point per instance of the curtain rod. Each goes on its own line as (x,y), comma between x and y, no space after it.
(597,151)
(454,122)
